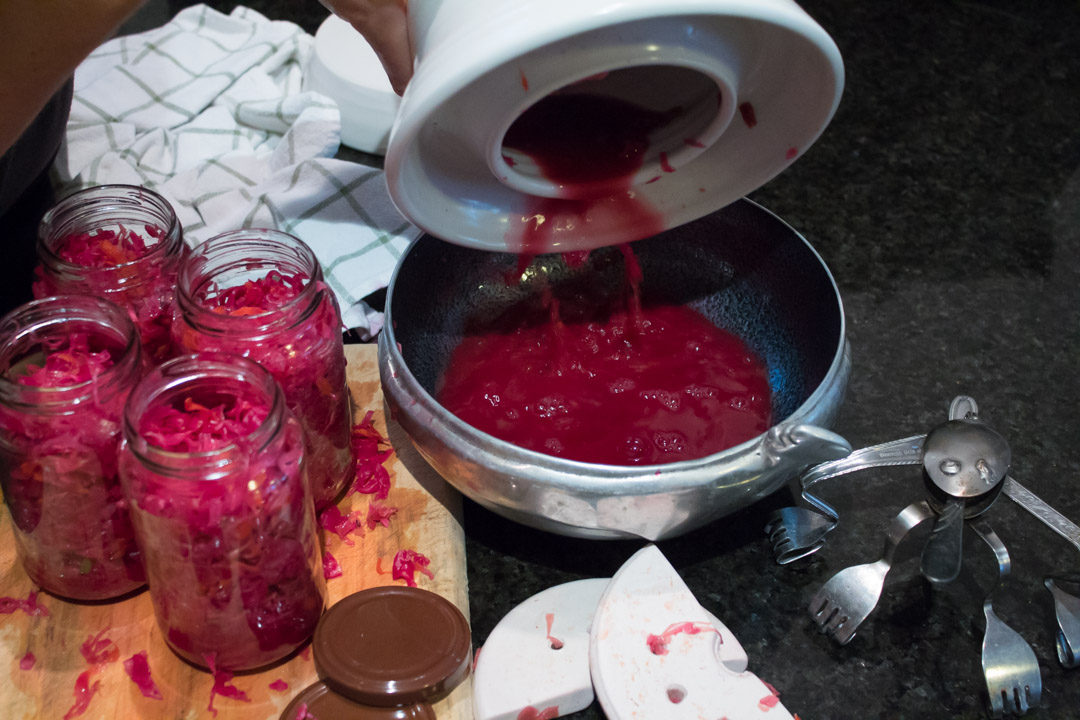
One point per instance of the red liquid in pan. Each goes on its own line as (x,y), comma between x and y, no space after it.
(621,384)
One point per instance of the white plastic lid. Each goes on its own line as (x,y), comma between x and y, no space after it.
(345,68)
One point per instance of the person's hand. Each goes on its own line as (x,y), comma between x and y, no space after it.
(383,23)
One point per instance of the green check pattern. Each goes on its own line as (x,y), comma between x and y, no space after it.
(210,110)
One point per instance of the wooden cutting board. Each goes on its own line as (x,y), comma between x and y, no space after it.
(428,520)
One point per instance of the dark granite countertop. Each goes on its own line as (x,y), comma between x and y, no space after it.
(945,197)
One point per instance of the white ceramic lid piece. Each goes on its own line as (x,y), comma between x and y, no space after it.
(536,659)
(747,86)
(345,68)
(537,656)
(654,655)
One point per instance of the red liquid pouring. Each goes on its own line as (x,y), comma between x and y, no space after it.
(591,146)
(619,385)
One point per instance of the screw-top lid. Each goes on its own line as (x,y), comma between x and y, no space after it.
(319,701)
(392,646)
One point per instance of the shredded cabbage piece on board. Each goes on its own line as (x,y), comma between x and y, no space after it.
(222,687)
(407,563)
(137,668)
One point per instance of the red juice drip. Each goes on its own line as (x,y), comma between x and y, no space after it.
(556,643)
(588,141)
(749,115)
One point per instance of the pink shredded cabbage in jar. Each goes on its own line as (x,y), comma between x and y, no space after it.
(259,296)
(27,661)
(59,476)
(146,291)
(72,363)
(107,248)
(197,428)
(233,562)
(307,360)
(137,668)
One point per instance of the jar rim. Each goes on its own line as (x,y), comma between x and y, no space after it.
(50,227)
(195,371)
(29,322)
(234,250)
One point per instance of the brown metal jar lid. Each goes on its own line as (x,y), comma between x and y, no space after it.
(320,702)
(392,646)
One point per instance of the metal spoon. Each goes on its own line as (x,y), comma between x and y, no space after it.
(965,461)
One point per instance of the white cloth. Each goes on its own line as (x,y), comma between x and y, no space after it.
(209,110)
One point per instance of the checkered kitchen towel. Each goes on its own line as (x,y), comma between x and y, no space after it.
(210,111)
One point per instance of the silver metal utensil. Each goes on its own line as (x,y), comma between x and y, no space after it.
(1067,612)
(849,596)
(965,461)
(1066,606)
(1013,679)
(894,453)
(1050,517)
(796,532)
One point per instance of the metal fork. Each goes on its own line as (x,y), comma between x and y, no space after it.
(796,532)
(1066,605)
(1013,679)
(849,596)
(1067,612)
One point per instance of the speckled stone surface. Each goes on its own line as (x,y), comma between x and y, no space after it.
(945,197)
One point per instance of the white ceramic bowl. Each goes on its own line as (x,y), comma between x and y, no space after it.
(481,63)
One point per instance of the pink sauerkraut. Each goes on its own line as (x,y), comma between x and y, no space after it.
(115,263)
(137,668)
(233,561)
(59,476)
(307,359)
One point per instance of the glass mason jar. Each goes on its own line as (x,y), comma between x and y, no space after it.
(67,365)
(260,293)
(212,465)
(120,242)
